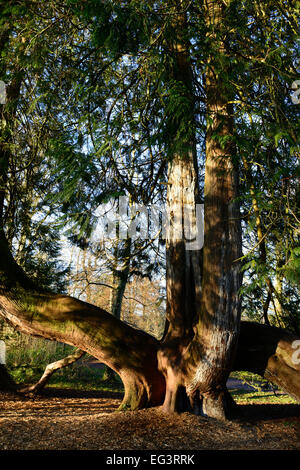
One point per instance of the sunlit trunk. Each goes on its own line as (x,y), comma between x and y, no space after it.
(183,255)
(206,303)
(218,327)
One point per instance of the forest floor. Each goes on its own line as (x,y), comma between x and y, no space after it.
(71,419)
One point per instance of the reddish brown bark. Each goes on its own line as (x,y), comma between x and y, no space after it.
(203,302)
(217,330)
(183,260)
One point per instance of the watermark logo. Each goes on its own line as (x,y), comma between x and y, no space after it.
(296,95)
(2,92)
(137,221)
(2,352)
(296,354)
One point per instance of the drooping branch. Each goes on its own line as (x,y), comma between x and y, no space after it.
(132,354)
(58,317)
(51,368)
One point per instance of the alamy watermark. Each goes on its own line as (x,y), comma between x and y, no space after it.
(2,352)
(2,92)
(137,221)
(296,354)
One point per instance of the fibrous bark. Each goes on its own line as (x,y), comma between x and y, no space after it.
(203,295)
(183,255)
(218,328)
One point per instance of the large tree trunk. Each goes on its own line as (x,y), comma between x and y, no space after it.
(198,351)
(183,281)
(218,327)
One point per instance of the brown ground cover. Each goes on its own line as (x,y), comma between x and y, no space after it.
(69,419)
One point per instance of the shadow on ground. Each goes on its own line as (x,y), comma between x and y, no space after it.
(268,412)
(250,412)
(71,393)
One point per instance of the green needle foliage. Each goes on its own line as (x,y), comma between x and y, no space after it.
(101,108)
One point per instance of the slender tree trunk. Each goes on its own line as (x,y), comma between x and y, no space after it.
(120,279)
(274,291)
(260,237)
(278,303)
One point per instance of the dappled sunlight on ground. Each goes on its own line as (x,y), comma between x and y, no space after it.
(72,419)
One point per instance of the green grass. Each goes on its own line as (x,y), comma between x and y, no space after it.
(249,378)
(92,387)
(243,397)
(258,396)
(77,377)
(84,378)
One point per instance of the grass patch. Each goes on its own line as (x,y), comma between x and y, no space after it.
(254,380)
(76,376)
(89,387)
(84,378)
(244,397)
(263,392)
